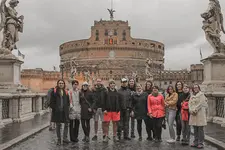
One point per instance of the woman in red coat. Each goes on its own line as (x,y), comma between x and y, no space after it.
(156,111)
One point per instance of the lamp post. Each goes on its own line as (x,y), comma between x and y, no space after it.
(62,69)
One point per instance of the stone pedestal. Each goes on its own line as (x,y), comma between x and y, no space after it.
(10,68)
(1,123)
(214,74)
(214,85)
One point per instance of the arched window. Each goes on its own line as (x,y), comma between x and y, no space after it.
(106,32)
(159,46)
(97,35)
(115,32)
(124,35)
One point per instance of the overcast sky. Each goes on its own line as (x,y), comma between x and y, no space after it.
(176,23)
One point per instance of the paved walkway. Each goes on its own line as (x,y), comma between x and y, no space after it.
(215,131)
(14,130)
(47,140)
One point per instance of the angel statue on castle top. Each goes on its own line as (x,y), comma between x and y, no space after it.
(10,24)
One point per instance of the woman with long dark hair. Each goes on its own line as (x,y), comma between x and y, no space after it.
(179,89)
(197,107)
(149,121)
(139,103)
(156,111)
(171,110)
(148,87)
(59,103)
(132,87)
(87,102)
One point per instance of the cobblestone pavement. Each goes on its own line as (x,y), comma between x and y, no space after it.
(46,140)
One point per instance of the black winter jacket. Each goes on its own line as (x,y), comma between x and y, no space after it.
(87,100)
(139,103)
(113,102)
(101,95)
(126,98)
(59,115)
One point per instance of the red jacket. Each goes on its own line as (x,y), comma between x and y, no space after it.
(184,111)
(156,106)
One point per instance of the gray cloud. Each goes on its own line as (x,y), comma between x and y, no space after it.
(176,23)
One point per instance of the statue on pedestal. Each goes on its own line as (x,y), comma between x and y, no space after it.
(87,76)
(111,11)
(148,73)
(213,25)
(10,24)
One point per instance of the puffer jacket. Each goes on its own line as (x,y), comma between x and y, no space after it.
(126,97)
(171,100)
(156,106)
(184,111)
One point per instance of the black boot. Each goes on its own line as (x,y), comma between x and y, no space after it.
(178,138)
(58,142)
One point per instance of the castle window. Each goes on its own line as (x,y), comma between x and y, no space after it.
(106,32)
(106,41)
(97,35)
(170,82)
(133,43)
(165,83)
(115,41)
(115,32)
(124,35)
(139,43)
(159,46)
(152,45)
(110,41)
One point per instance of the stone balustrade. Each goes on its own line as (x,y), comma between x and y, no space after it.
(216,111)
(21,107)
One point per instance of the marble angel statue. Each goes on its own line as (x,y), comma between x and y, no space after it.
(10,24)
(213,25)
(148,69)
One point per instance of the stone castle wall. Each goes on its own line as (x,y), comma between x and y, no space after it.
(111,52)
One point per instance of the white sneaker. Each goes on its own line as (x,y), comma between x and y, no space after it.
(171,141)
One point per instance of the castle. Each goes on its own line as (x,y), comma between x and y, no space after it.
(111,53)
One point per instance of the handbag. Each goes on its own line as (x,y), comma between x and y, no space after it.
(164,123)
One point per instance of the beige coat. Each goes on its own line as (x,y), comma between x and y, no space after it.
(197,108)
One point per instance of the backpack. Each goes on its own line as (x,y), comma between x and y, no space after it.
(47,102)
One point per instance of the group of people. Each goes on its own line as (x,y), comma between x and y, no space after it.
(129,104)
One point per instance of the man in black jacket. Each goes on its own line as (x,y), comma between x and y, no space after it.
(126,109)
(100,94)
(111,108)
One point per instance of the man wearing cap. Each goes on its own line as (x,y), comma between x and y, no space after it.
(125,109)
(100,93)
(111,108)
